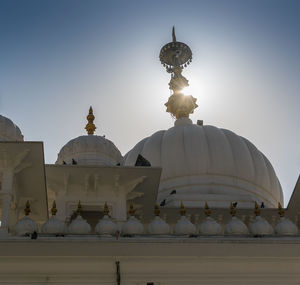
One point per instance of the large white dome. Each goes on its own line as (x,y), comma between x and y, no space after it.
(205,163)
(90,150)
(9,131)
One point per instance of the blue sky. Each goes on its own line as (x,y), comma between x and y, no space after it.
(59,57)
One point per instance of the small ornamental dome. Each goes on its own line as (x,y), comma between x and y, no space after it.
(79,225)
(53,225)
(260,226)
(106,226)
(209,226)
(90,149)
(285,226)
(25,225)
(207,163)
(158,226)
(132,226)
(9,131)
(235,226)
(184,226)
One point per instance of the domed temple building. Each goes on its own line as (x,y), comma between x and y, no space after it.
(194,204)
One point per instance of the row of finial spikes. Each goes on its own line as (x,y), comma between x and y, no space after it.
(131,211)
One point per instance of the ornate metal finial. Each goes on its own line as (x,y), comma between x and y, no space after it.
(90,126)
(256,209)
(131,210)
(280,210)
(27,210)
(53,209)
(232,210)
(79,208)
(156,210)
(105,210)
(207,210)
(175,56)
(182,209)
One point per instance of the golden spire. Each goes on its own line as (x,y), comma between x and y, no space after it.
(79,208)
(27,210)
(53,209)
(207,210)
(175,56)
(131,210)
(280,210)
(232,210)
(156,210)
(106,210)
(182,209)
(90,126)
(256,209)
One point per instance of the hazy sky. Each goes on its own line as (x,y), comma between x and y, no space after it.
(59,57)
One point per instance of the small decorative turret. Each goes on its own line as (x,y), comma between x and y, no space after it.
(209,226)
(90,126)
(235,226)
(27,210)
(53,225)
(260,226)
(184,226)
(53,209)
(132,226)
(207,210)
(158,226)
(79,225)
(285,226)
(106,226)
(175,56)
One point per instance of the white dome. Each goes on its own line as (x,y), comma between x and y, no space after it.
(184,227)
(53,226)
(205,163)
(158,226)
(261,227)
(25,226)
(9,131)
(90,150)
(210,227)
(106,226)
(79,226)
(132,226)
(236,227)
(286,227)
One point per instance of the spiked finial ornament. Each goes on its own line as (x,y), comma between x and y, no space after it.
(105,210)
(90,126)
(156,210)
(207,210)
(53,209)
(182,209)
(131,210)
(232,210)
(27,210)
(175,56)
(256,209)
(280,210)
(79,208)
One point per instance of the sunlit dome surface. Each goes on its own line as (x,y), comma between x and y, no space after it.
(9,131)
(206,163)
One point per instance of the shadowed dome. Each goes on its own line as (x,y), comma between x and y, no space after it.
(9,131)
(205,163)
(90,149)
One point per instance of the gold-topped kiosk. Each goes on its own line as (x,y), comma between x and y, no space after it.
(175,56)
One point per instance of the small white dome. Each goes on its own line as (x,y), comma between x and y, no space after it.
(9,131)
(210,227)
(132,226)
(53,226)
(158,226)
(206,163)
(25,226)
(90,150)
(106,226)
(184,227)
(261,227)
(79,226)
(236,227)
(286,227)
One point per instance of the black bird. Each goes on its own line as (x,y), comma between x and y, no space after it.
(64,162)
(74,162)
(163,203)
(262,205)
(234,204)
(142,161)
(34,235)
(173,192)
(118,164)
